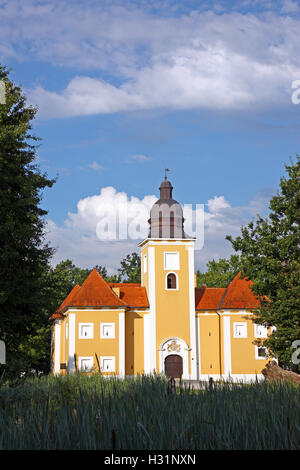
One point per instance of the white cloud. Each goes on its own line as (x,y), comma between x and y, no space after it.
(95,233)
(95,166)
(138,158)
(288,6)
(153,59)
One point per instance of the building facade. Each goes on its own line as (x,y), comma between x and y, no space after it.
(165,324)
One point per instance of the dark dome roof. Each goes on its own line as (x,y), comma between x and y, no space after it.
(166,216)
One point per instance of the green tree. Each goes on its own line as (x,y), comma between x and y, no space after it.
(270,257)
(61,281)
(24,255)
(219,273)
(130,270)
(103,271)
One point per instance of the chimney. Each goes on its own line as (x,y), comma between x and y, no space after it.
(116,290)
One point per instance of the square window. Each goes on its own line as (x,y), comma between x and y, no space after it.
(240,330)
(260,331)
(107,330)
(172,261)
(86,330)
(261,352)
(85,364)
(107,364)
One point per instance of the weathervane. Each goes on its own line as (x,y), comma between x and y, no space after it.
(166,169)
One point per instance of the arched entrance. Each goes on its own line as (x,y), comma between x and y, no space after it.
(174,365)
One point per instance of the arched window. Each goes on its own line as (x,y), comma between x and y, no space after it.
(171,281)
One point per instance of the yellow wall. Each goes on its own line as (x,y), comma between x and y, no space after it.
(243,350)
(96,346)
(243,359)
(209,344)
(134,343)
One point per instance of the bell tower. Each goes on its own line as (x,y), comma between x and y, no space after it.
(167,263)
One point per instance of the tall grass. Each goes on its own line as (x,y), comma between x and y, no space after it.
(79,412)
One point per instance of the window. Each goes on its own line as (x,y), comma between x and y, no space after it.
(107,330)
(261,352)
(86,330)
(240,330)
(172,225)
(85,364)
(260,331)
(172,261)
(107,364)
(171,281)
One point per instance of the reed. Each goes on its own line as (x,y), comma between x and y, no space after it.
(92,412)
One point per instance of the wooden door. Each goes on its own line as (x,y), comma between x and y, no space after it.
(173,366)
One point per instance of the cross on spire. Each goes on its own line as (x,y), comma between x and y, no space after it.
(166,169)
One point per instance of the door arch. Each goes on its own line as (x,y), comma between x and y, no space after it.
(178,347)
(174,366)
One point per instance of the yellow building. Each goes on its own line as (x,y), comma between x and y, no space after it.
(165,324)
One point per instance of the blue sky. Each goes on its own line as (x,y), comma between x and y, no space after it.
(128,88)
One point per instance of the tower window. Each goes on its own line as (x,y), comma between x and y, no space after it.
(171,281)
(160,224)
(172,224)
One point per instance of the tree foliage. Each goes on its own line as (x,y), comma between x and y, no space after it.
(219,273)
(130,269)
(24,255)
(270,257)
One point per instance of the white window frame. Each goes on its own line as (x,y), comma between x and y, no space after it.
(102,325)
(84,358)
(256,331)
(240,323)
(166,281)
(259,357)
(165,260)
(91,336)
(111,358)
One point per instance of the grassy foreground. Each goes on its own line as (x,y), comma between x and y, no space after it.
(79,412)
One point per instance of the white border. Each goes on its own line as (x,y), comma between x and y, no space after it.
(102,324)
(227,347)
(166,281)
(80,358)
(259,358)
(150,319)
(256,326)
(57,334)
(184,353)
(243,323)
(72,317)
(103,358)
(193,340)
(171,253)
(85,324)
(121,344)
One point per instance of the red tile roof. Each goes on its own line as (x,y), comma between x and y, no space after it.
(208,298)
(238,295)
(133,294)
(95,292)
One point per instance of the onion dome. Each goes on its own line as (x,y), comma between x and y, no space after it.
(166,216)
